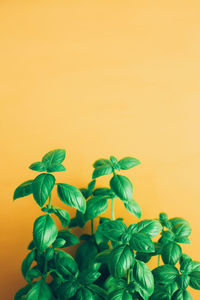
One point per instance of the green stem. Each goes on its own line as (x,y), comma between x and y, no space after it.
(129,276)
(158,260)
(92,227)
(49,205)
(112,209)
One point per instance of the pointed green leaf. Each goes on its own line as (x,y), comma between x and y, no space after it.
(56,168)
(70,239)
(195,280)
(142,242)
(182,295)
(86,254)
(120,294)
(182,230)
(150,227)
(171,253)
(128,162)
(102,170)
(88,276)
(165,274)
(62,215)
(44,232)
(27,262)
(95,207)
(54,157)
(71,196)
(42,187)
(38,166)
(121,259)
(101,162)
(20,295)
(23,190)
(186,264)
(68,289)
(84,294)
(113,230)
(122,187)
(65,264)
(143,276)
(39,291)
(133,207)
(59,243)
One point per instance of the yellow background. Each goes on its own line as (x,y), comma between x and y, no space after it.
(99,78)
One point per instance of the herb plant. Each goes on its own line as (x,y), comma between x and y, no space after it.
(111,262)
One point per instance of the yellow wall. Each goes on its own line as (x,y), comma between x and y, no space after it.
(99,78)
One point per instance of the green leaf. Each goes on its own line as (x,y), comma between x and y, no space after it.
(122,187)
(38,166)
(63,216)
(70,239)
(115,163)
(98,291)
(133,207)
(27,262)
(183,281)
(182,230)
(150,227)
(90,188)
(39,291)
(195,280)
(165,274)
(196,266)
(22,292)
(182,295)
(120,295)
(142,242)
(56,168)
(65,263)
(128,163)
(88,276)
(67,290)
(171,253)
(42,187)
(23,190)
(49,254)
(104,256)
(186,264)
(101,162)
(113,230)
(121,259)
(95,207)
(182,240)
(59,243)
(31,246)
(44,232)
(54,157)
(71,196)
(84,294)
(33,274)
(104,192)
(145,257)
(177,220)
(86,254)
(144,278)
(102,170)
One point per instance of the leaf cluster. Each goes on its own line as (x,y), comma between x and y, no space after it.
(111,262)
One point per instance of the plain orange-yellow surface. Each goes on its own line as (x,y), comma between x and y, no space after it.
(99,78)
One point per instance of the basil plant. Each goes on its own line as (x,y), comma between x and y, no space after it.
(111,262)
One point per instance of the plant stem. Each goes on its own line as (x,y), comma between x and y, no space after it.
(92,227)
(112,209)
(49,205)
(129,276)
(158,260)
